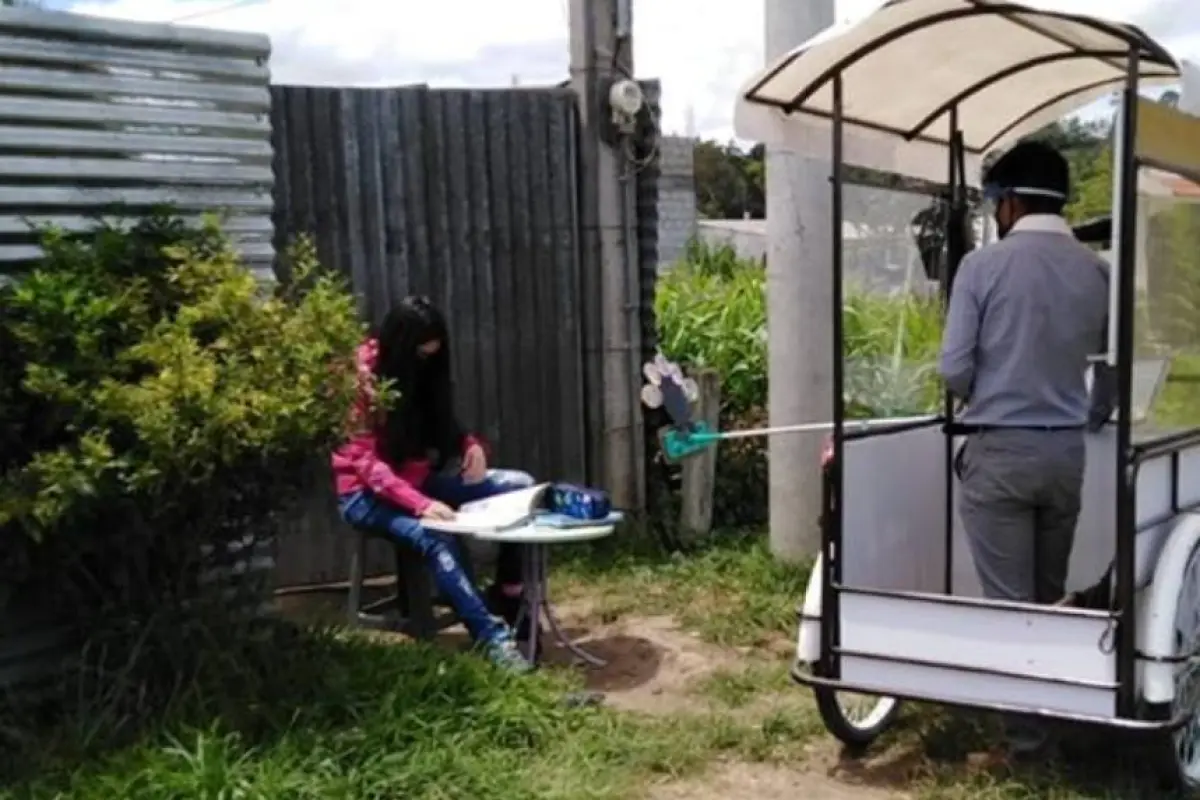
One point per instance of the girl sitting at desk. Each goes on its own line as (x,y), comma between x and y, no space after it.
(414,462)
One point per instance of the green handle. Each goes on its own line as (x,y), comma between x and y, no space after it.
(679,444)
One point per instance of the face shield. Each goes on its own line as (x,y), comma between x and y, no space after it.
(994,193)
(994,196)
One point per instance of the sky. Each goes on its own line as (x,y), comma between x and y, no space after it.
(701,50)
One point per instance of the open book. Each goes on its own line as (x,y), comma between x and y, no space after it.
(509,511)
(497,513)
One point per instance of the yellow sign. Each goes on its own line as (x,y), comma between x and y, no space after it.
(1168,139)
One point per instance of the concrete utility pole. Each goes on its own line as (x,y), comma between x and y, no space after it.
(602,50)
(799,298)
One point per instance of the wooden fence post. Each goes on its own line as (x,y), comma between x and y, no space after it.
(700,471)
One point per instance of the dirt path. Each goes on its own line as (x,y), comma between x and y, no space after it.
(656,668)
(766,782)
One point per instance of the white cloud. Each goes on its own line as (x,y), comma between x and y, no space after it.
(702,50)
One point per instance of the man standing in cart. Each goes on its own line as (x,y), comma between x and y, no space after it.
(1025,314)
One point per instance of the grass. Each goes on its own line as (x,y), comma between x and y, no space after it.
(357,717)
(733,593)
(321,713)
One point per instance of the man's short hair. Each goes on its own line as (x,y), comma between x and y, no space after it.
(1034,172)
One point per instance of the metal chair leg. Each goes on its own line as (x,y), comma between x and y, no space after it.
(416,592)
(358,558)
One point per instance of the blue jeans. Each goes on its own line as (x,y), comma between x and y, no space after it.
(366,511)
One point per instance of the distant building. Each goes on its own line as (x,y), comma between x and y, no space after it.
(676,198)
(747,237)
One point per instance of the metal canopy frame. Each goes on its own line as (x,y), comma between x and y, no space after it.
(1128,457)
(1146,50)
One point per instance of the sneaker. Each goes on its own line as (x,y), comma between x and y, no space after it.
(502,651)
(508,609)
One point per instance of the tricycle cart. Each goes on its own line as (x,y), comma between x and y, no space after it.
(893,610)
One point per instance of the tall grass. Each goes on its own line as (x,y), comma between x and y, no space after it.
(711,312)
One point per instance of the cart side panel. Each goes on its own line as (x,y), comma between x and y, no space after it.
(980,654)
(893,511)
(1154,499)
(893,531)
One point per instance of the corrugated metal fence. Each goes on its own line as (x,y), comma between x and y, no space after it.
(468,196)
(99,117)
(96,115)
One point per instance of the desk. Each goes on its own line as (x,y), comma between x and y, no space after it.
(535,575)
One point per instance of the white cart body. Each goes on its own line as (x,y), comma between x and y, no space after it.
(925,89)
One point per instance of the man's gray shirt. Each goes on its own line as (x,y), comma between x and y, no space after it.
(1025,314)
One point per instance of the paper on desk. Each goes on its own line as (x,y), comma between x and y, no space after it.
(497,513)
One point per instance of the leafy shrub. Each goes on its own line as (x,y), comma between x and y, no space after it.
(156,401)
(711,313)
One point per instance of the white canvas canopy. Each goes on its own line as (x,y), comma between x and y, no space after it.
(1008,68)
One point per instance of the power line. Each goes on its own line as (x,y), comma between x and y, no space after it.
(218,10)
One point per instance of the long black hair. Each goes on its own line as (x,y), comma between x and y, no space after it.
(422,423)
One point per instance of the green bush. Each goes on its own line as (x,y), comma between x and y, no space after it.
(155,401)
(711,313)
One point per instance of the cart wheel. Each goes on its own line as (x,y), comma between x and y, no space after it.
(1180,751)
(856,720)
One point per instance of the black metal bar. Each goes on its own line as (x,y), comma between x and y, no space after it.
(804,678)
(954,255)
(972,670)
(1126,574)
(1179,659)
(849,120)
(1122,33)
(1162,445)
(1038,609)
(1174,483)
(886,430)
(999,75)
(1040,107)
(765,79)
(1181,170)
(837,68)
(831,608)
(1131,36)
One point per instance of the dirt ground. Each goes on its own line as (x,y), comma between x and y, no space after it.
(764,782)
(654,667)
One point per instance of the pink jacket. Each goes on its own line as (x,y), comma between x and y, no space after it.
(359,464)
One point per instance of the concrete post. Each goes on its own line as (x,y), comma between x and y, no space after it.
(602,49)
(799,314)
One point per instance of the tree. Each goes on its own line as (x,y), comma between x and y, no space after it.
(728,181)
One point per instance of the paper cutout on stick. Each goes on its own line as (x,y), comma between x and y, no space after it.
(667,388)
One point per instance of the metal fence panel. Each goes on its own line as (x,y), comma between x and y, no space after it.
(99,118)
(468,196)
